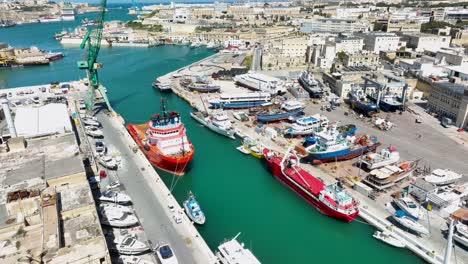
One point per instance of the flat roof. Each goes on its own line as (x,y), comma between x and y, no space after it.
(76,197)
(459,68)
(455,87)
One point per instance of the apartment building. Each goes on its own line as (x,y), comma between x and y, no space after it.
(364,58)
(348,44)
(404,26)
(334,25)
(424,41)
(380,41)
(450,100)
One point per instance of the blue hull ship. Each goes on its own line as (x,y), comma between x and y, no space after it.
(387,103)
(360,103)
(272,117)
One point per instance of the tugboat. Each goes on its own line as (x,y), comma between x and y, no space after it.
(163,141)
(193,210)
(331,200)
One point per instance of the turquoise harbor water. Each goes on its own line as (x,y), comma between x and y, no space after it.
(236,191)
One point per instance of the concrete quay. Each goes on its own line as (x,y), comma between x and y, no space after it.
(414,141)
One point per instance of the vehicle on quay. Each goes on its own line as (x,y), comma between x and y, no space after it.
(387,156)
(130,245)
(108,162)
(100,148)
(332,200)
(331,146)
(310,84)
(117,218)
(409,206)
(115,197)
(193,210)
(388,238)
(307,125)
(94,132)
(240,100)
(217,121)
(409,223)
(133,260)
(163,140)
(166,255)
(233,252)
(442,177)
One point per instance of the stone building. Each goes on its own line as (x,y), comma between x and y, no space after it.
(450,100)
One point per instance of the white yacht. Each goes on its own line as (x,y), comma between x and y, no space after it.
(115,197)
(163,86)
(166,255)
(133,260)
(90,122)
(233,252)
(307,125)
(118,207)
(409,206)
(389,239)
(387,156)
(442,177)
(116,218)
(93,131)
(411,224)
(218,122)
(292,105)
(108,162)
(461,234)
(129,245)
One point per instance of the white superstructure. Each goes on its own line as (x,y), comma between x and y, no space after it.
(260,82)
(442,177)
(233,252)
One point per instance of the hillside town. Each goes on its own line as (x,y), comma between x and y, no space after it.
(360,108)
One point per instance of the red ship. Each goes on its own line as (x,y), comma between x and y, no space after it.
(163,141)
(331,200)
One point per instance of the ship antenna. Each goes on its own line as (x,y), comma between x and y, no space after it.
(163,108)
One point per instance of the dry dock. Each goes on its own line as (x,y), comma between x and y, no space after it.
(431,248)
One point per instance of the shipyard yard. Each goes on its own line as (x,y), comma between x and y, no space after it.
(227,133)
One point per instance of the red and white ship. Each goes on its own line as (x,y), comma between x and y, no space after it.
(163,141)
(331,200)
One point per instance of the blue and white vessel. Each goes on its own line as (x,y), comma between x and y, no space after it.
(193,210)
(240,100)
(287,110)
(307,125)
(308,82)
(359,101)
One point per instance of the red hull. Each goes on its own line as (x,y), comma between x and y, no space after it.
(172,164)
(310,197)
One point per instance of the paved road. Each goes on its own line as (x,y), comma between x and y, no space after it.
(425,141)
(156,223)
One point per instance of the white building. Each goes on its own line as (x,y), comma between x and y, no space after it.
(453,56)
(349,45)
(380,41)
(429,42)
(334,25)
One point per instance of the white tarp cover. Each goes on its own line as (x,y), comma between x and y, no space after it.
(44,120)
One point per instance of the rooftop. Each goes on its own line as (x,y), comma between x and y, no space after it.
(454,87)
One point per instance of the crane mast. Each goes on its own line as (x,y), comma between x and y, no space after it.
(92,40)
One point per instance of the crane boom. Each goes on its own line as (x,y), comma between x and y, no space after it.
(92,39)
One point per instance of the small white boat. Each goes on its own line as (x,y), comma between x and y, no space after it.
(116,218)
(409,206)
(129,245)
(243,149)
(166,255)
(133,260)
(90,122)
(115,197)
(112,206)
(411,224)
(108,162)
(93,131)
(389,239)
(241,116)
(442,177)
(387,156)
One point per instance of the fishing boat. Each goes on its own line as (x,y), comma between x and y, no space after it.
(51,56)
(308,82)
(307,125)
(359,102)
(129,245)
(162,86)
(240,100)
(163,141)
(331,146)
(217,121)
(389,239)
(287,110)
(442,177)
(203,87)
(411,224)
(332,200)
(253,147)
(386,177)
(388,102)
(408,206)
(115,197)
(116,218)
(347,130)
(387,156)
(193,210)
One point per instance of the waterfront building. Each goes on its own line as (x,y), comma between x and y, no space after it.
(450,100)
(364,58)
(322,56)
(380,41)
(424,41)
(334,25)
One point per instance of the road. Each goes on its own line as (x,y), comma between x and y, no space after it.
(257,59)
(153,214)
